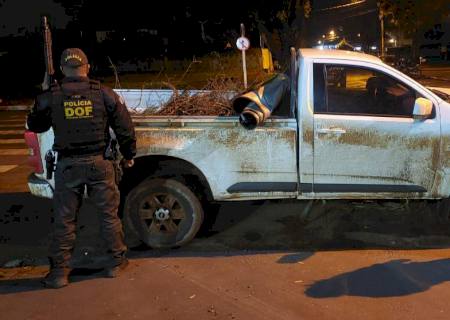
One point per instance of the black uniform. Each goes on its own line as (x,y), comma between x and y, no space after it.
(80,111)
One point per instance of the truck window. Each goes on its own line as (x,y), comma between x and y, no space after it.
(350,90)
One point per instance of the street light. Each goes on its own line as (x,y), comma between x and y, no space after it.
(393,41)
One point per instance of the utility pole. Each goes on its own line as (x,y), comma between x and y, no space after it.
(202,26)
(381,17)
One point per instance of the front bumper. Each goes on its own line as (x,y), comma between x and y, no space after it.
(39,187)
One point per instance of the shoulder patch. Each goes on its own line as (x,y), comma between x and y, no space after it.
(95,85)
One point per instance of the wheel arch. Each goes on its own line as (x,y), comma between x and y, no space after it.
(146,167)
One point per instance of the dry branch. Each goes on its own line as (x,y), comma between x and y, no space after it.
(216,101)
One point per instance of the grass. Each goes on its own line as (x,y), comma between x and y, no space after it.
(195,80)
(196,74)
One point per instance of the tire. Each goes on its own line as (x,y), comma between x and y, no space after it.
(164,213)
(211,210)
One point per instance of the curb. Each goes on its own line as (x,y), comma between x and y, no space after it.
(436,69)
(436,78)
(15,108)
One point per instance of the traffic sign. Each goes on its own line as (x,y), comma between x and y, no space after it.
(243,43)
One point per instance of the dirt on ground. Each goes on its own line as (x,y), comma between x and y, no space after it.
(322,225)
(273,225)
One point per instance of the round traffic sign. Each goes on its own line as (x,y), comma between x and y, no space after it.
(243,43)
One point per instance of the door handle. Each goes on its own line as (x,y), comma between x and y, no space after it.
(330,131)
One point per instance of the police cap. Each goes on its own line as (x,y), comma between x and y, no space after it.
(73,57)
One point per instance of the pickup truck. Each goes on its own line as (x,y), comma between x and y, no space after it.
(355,128)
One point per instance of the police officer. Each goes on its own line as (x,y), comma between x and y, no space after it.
(80,111)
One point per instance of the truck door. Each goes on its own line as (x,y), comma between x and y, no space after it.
(365,138)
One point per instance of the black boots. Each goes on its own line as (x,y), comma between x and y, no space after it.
(56,278)
(113,272)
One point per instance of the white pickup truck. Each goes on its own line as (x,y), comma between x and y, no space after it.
(355,128)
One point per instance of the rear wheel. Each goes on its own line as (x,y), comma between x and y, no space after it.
(164,213)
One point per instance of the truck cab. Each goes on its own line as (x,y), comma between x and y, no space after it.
(360,134)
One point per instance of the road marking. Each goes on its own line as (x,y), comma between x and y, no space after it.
(12,131)
(11,141)
(6,168)
(14,152)
(18,126)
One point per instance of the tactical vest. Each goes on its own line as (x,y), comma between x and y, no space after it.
(79,119)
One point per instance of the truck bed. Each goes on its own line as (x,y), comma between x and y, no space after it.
(239,164)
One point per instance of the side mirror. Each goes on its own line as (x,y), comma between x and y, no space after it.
(422,109)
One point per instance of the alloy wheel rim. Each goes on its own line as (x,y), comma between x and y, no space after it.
(161,213)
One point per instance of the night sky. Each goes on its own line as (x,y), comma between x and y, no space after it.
(173,29)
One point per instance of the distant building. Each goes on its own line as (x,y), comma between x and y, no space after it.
(104,35)
(152,32)
(344,44)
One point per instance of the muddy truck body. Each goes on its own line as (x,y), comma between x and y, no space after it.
(354,128)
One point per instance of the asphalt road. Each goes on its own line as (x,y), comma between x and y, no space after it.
(261,261)
(301,285)
(13,152)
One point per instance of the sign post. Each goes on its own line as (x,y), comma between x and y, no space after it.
(243,44)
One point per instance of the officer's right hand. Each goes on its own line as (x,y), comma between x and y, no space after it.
(127,163)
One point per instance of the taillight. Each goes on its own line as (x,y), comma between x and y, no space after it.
(34,159)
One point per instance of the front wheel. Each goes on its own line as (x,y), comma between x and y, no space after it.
(163,212)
